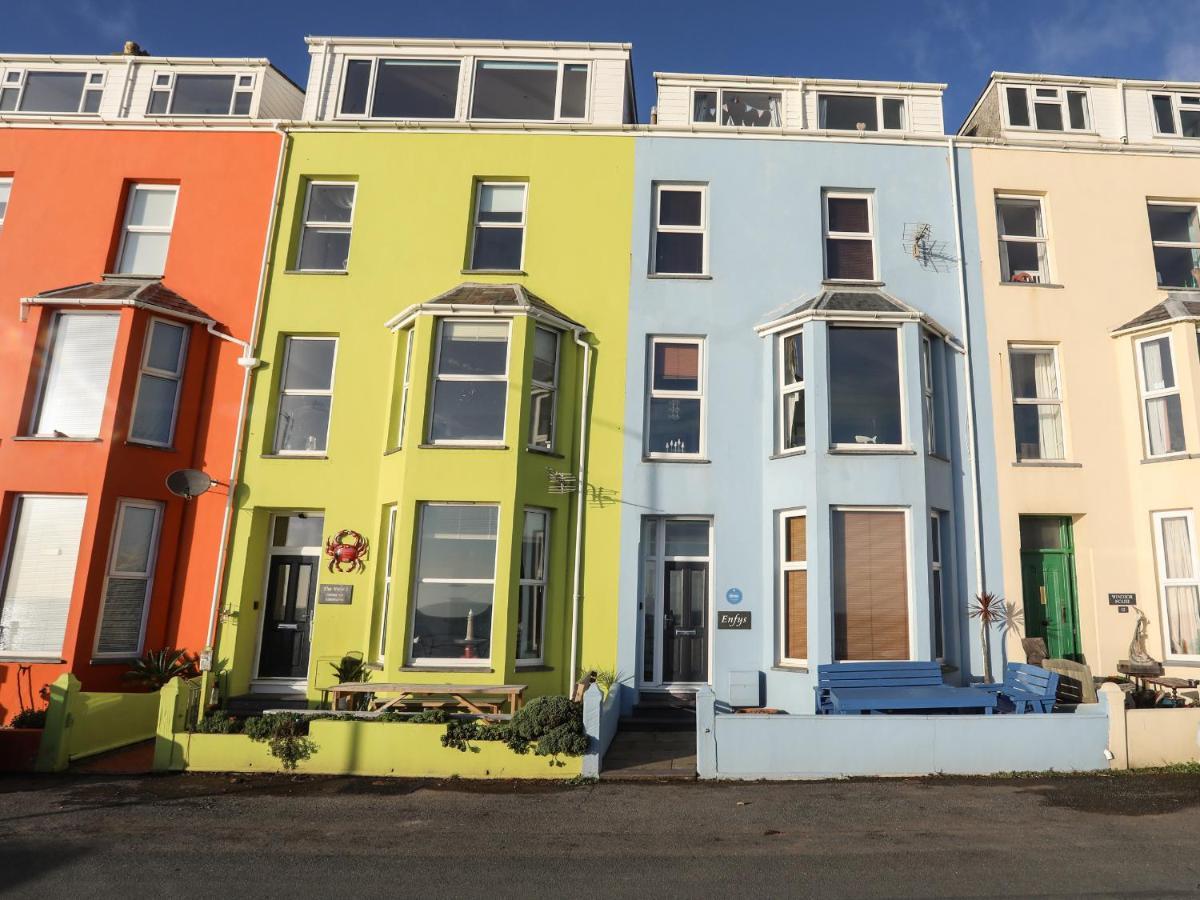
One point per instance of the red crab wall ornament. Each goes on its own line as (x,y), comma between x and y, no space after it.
(346,551)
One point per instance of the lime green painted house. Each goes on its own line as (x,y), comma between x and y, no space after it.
(444,332)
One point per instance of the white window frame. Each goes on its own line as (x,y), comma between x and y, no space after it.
(701,229)
(177,376)
(168,87)
(903,398)
(784,390)
(1185,245)
(44,376)
(1042,276)
(1164,582)
(937,566)
(1176,99)
(1059,401)
(111,571)
(911,575)
(304,392)
(93,81)
(658,394)
(658,556)
(6,182)
(1145,395)
(409,337)
(547,388)
(444,662)
(1059,99)
(388,560)
(369,108)
(521,226)
(558,83)
(786,566)
(743,89)
(868,235)
(879,98)
(127,228)
(543,583)
(439,377)
(305,223)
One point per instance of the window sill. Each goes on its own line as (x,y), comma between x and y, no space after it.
(392,450)
(851,282)
(483,670)
(542,451)
(939,456)
(681,276)
(113,660)
(796,670)
(316,271)
(1032,284)
(693,460)
(1169,457)
(1178,290)
(1047,464)
(493,272)
(454,446)
(534,667)
(294,456)
(374,666)
(869,450)
(787,454)
(49,438)
(35,660)
(144,446)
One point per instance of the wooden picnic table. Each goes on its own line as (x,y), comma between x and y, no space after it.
(437,695)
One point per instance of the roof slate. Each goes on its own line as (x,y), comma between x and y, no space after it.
(1175,306)
(505,296)
(126,291)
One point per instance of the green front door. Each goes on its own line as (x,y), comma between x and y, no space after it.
(1048,584)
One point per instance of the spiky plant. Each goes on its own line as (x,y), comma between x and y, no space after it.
(352,669)
(991,611)
(158,667)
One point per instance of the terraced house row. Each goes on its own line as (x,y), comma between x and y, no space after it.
(466,370)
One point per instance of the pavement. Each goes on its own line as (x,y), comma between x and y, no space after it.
(1119,835)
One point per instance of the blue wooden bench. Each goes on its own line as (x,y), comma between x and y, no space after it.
(1027,688)
(874,687)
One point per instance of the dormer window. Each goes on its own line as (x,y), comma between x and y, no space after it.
(540,91)
(400,89)
(51,91)
(196,94)
(738,109)
(1053,109)
(861,112)
(1176,114)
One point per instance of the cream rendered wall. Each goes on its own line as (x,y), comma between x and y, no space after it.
(1101,260)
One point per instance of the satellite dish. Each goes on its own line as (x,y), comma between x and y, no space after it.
(188,483)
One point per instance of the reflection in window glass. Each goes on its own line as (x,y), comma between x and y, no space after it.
(574,91)
(325,234)
(52,92)
(471,382)
(531,607)
(512,89)
(679,233)
(1175,236)
(864,386)
(299,530)
(499,237)
(846,112)
(413,89)
(202,95)
(306,395)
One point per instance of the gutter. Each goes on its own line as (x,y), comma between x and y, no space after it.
(972,425)
(248,363)
(580,507)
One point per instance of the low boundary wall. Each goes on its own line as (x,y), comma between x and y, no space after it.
(84,723)
(601,716)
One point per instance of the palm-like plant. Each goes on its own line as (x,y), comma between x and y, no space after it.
(158,667)
(991,610)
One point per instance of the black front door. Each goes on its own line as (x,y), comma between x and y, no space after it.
(287,614)
(685,621)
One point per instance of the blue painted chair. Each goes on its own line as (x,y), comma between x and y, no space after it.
(1026,688)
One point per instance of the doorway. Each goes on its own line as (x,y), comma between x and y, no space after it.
(1048,584)
(289,602)
(675,603)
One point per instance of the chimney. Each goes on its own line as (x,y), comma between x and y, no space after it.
(133,48)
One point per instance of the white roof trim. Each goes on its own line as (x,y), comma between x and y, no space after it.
(469,310)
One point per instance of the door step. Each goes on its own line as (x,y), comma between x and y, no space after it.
(662,712)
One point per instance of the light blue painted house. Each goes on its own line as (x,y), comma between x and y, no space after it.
(800,482)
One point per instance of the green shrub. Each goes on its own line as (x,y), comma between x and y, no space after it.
(285,734)
(553,726)
(28,718)
(219,723)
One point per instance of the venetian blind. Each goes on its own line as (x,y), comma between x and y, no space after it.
(76,382)
(870,585)
(796,588)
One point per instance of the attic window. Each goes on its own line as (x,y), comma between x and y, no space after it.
(739,109)
(847,112)
(1176,114)
(200,95)
(400,89)
(51,92)
(1054,109)
(528,90)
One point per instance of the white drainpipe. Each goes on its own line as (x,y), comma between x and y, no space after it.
(580,506)
(248,363)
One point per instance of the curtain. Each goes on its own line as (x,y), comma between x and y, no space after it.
(1158,427)
(1050,433)
(1183,600)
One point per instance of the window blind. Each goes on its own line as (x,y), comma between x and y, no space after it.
(41,574)
(76,382)
(849,214)
(796,587)
(870,585)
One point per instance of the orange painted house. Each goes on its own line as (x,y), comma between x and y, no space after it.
(136,197)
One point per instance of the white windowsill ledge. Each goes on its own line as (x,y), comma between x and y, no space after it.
(316,271)
(1032,284)
(794,669)
(456,446)
(1169,457)
(55,439)
(1047,464)
(294,456)
(788,454)
(870,450)
(694,460)
(681,276)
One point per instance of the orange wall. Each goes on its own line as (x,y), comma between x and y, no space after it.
(62,228)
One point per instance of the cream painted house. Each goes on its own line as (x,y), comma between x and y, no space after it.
(1087,194)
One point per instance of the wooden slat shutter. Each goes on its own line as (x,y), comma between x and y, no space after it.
(680,361)
(870,585)
(849,258)
(796,589)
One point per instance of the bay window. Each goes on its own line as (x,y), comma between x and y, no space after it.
(1037,403)
(849,237)
(305,396)
(1162,409)
(793,580)
(675,398)
(870,585)
(328,222)
(408,338)
(156,403)
(1175,239)
(936,586)
(531,607)
(130,574)
(1179,581)
(791,392)
(146,236)
(864,387)
(75,380)
(455,584)
(470,384)
(543,389)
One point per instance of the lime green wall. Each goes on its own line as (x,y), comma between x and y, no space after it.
(410,238)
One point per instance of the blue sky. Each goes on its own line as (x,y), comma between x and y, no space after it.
(954,41)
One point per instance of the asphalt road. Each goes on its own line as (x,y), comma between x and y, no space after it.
(275,836)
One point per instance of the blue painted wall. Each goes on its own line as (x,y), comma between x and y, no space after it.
(765,256)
